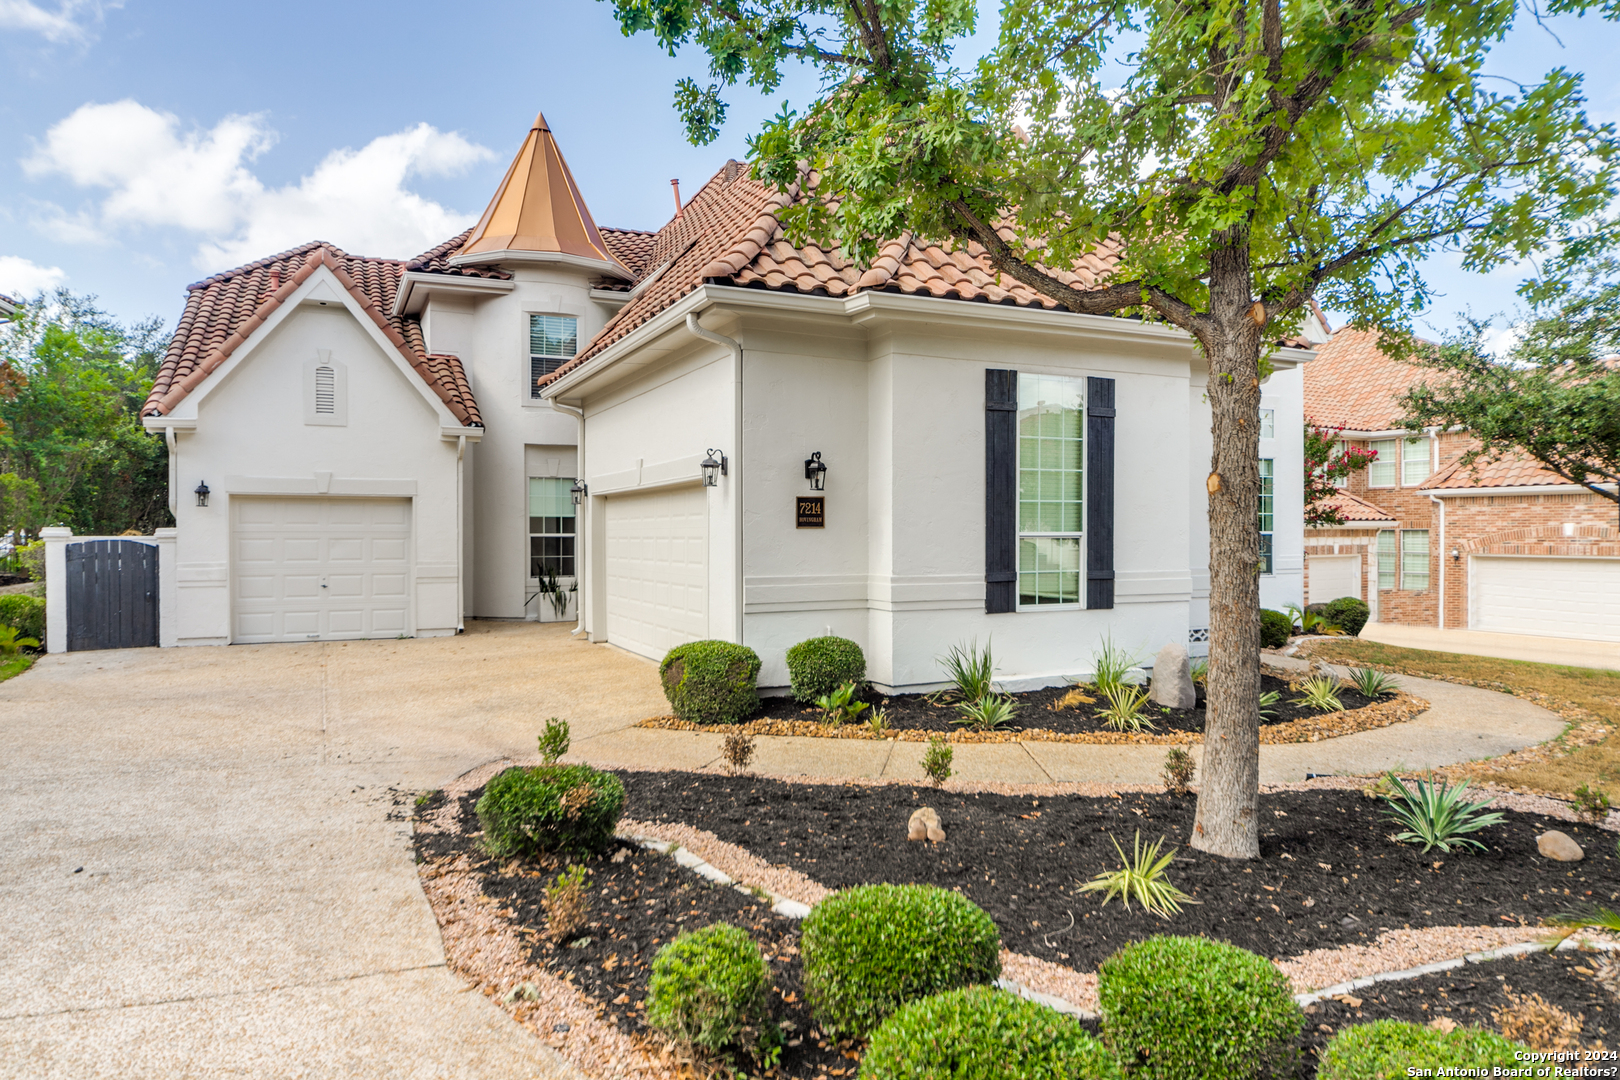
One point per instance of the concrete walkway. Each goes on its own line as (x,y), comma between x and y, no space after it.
(1543,650)
(207,868)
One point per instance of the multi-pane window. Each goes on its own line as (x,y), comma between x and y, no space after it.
(551,526)
(1381,473)
(1051,420)
(1268,423)
(1386,559)
(1415,559)
(1267,517)
(553,341)
(1415,467)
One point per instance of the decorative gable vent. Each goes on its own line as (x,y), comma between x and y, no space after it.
(326,391)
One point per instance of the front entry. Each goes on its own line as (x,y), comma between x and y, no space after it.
(657,570)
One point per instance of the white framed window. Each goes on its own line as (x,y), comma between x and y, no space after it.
(1051,426)
(551,526)
(1415,462)
(1381,473)
(1267,513)
(553,341)
(1386,559)
(1268,423)
(1415,559)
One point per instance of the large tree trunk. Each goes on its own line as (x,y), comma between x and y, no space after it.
(1228,796)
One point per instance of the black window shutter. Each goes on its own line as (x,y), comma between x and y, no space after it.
(1099,493)
(1000,490)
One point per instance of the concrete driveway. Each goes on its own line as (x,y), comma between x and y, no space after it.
(247,903)
(1573,652)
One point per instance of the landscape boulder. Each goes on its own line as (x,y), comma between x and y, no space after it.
(1172,678)
(1560,847)
(924,825)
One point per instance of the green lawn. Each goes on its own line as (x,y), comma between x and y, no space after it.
(1581,695)
(15,665)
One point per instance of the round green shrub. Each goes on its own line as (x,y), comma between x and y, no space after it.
(567,808)
(1386,1048)
(1275,627)
(26,613)
(1174,1007)
(711,682)
(980,1033)
(1349,613)
(869,950)
(710,989)
(822,664)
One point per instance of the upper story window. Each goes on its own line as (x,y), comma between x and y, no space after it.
(1051,422)
(1381,473)
(1268,423)
(1267,513)
(1415,462)
(553,341)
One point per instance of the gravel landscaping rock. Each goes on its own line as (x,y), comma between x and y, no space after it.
(1558,846)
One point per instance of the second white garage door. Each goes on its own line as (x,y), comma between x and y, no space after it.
(319,569)
(657,570)
(1553,597)
(1333,576)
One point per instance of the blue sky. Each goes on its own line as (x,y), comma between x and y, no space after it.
(146,144)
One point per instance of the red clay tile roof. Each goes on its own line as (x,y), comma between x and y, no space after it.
(1353,508)
(729,233)
(632,247)
(1511,470)
(1352,384)
(437,261)
(223,310)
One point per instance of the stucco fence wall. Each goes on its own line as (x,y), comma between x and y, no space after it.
(57,540)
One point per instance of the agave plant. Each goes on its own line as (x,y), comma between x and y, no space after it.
(988,713)
(1372,684)
(1268,704)
(1142,879)
(1436,815)
(970,669)
(1320,692)
(1126,709)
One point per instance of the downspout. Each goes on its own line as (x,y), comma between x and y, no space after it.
(461,547)
(735,346)
(581,548)
(174,472)
(1441,503)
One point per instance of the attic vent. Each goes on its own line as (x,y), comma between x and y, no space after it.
(325,391)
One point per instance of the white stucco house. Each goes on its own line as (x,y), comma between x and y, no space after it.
(390,448)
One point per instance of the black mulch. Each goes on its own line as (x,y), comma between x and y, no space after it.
(639,902)
(1328,875)
(922,712)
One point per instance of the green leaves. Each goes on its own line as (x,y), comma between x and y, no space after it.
(1436,815)
(1142,878)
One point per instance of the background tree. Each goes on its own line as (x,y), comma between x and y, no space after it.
(1326,463)
(73,382)
(1256,156)
(1553,394)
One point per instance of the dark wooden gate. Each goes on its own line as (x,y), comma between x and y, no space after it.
(112,595)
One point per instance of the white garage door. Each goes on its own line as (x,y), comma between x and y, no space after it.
(657,570)
(317,569)
(1554,597)
(1333,576)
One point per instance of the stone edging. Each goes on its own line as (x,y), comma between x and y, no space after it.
(1524,948)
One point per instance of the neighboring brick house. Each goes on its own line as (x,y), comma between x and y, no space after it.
(1504,545)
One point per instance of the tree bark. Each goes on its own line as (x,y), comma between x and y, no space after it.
(1227,821)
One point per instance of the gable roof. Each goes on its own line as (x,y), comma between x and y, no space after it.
(729,234)
(222,311)
(1510,470)
(1352,384)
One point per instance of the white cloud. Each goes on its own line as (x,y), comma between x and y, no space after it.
(1500,340)
(71,21)
(19,277)
(157,174)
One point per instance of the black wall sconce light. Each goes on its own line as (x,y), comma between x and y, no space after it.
(202,493)
(578,491)
(713,468)
(815,471)
(1456,556)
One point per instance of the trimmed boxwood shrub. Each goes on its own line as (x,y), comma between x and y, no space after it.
(869,950)
(823,664)
(26,613)
(980,1033)
(567,808)
(710,989)
(711,682)
(1386,1048)
(1174,1007)
(1349,613)
(1275,627)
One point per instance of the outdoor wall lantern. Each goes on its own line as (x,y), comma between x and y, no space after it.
(1456,556)
(815,471)
(578,492)
(713,468)
(202,493)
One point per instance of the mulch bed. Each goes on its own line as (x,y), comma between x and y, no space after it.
(1328,875)
(1056,714)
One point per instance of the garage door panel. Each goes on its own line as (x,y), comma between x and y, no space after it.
(657,570)
(388,586)
(346,549)
(1547,596)
(301,550)
(1333,576)
(388,549)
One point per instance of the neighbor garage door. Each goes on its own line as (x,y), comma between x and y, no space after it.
(657,570)
(317,569)
(1554,597)
(1333,576)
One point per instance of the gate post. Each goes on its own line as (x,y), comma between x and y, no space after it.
(56,615)
(168,590)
